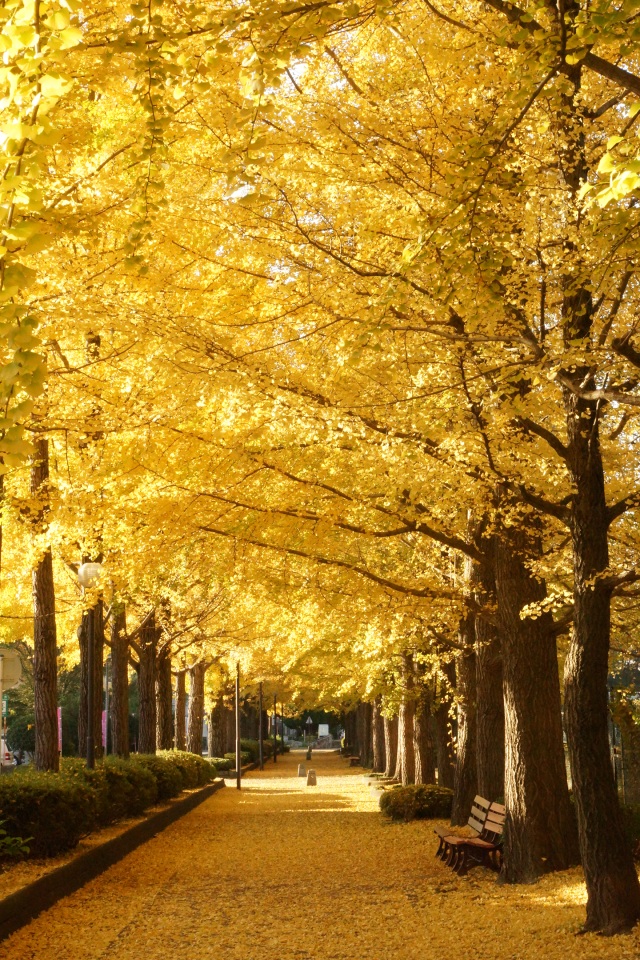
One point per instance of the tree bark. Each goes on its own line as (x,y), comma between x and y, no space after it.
(377,736)
(45,671)
(98,675)
(390,745)
(363,720)
(489,690)
(196,708)
(164,696)
(405,761)
(147,686)
(423,746)
(215,740)
(181,704)
(119,703)
(613,891)
(445,755)
(540,832)
(465,781)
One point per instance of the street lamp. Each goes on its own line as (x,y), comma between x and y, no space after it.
(88,573)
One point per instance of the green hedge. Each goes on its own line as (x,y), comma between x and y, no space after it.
(222,763)
(245,757)
(417,802)
(56,810)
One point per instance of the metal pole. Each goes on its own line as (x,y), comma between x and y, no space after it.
(238,757)
(260,730)
(3,737)
(275,731)
(91,741)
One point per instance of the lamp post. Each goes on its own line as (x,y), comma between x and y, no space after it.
(88,573)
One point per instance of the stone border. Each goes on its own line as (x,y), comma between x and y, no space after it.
(24,905)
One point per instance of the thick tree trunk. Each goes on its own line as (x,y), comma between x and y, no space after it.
(377,737)
(119,703)
(465,782)
(423,746)
(540,833)
(405,761)
(196,708)
(444,731)
(83,643)
(351,732)
(363,720)
(181,706)
(147,687)
(489,691)
(215,740)
(390,745)
(45,671)
(164,697)
(98,675)
(613,892)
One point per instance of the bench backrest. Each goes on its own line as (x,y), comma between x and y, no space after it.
(494,822)
(479,812)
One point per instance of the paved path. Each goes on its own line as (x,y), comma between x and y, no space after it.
(281,871)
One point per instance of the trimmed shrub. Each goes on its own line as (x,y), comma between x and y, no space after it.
(244,757)
(122,789)
(424,801)
(168,776)
(195,770)
(221,763)
(54,811)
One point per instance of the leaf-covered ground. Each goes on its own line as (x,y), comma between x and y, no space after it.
(282,871)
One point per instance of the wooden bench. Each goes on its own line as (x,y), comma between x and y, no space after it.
(479,811)
(482,850)
(354,761)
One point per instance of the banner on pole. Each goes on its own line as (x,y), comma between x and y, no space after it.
(59,729)
(104,730)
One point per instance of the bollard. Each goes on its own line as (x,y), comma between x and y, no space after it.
(311,778)
(301,770)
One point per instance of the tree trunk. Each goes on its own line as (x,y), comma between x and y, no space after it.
(119,702)
(98,676)
(164,696)
(465,781)
(350,732)
(45,670)
(540,833)
(377,736)
(613,891)
(215,741)
(423,747)
(196,708)
(390,745)
(445,756)
(363,719)
(405,760)
(181,704)
(147,686)
(489,691)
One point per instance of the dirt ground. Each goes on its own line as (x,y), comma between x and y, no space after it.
(282,871)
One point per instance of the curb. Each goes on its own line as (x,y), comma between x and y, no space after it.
(19,908)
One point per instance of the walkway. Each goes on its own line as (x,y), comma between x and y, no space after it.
(281,871)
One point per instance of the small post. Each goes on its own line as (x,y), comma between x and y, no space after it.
(275,730)
(260,730)
(91,740)
(238,757)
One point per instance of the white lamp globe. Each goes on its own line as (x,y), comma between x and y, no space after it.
(88,572)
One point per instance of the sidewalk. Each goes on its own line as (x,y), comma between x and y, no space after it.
(282,871)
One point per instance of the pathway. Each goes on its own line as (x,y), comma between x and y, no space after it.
(282,871)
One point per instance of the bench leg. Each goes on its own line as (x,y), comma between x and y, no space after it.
(462,863)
